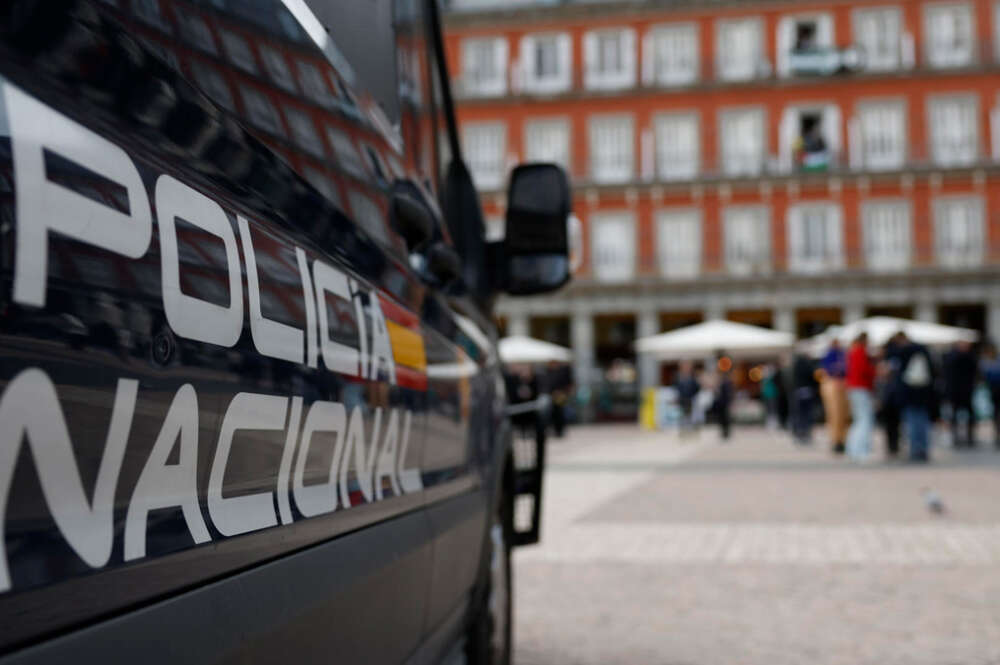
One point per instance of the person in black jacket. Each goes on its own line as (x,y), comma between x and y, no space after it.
(890,410)
(803,398)
(917,396)
(960,370)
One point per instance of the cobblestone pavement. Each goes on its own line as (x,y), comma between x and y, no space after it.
(659,550)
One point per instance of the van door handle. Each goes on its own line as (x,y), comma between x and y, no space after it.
(411,220)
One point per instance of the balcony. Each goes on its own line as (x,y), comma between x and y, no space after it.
(824,61)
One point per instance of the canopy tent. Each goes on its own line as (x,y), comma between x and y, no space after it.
(881,328)
(521,349)
(701,339)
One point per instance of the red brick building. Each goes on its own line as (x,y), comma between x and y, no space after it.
(789,164)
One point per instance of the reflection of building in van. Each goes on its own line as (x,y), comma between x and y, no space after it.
(799,165)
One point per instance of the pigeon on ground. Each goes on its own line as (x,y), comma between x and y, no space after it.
(932,500)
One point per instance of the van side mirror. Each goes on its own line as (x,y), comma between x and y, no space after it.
(535,246)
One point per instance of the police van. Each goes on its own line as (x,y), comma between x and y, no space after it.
(251,407)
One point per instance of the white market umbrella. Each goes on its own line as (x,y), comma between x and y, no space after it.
(522,349)
(701,339)
(881,328)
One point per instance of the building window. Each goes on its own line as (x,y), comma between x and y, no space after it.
(197,32)
(609,57)
(810,137)
(547,141)
(670,55)
(678,156)
(213,84)
(261,111)
(678,243)
(958,231)
(613,246)
(815,237)
(739,49)
(484,66)
(882,127)
(805,45)
(949,34)
(953,129)
(747,235)
(742,141)
(277,67)
(886,232)
(545,63)
(313,83)
(304,132)
(612,148)
(238,51)
(879,33)
(485,147)
(347,153)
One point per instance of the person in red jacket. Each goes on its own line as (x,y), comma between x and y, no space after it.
(860,381)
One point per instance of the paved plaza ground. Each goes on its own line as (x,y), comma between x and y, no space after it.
(666,551)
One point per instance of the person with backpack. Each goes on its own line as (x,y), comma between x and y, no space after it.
(860,381)
(917,396)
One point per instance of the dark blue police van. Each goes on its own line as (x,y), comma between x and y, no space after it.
(251,408)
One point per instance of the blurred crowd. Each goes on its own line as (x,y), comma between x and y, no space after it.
(903,387)
(540,398)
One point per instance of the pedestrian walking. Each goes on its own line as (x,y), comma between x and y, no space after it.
(833,392)
(803,398)
(991,374)
(889,410)
(860,380)
(723,403)
(917,396)
(687,388)
(959,368)
(769,393)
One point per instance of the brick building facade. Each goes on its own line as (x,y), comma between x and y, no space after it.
(788,164)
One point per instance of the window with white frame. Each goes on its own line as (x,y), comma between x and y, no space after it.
(238,51)
(260,110)
(547,140)
(954,129)
(882,129)
(304,131)
(546,65)
(678,155)
(958,231)
(799,38)
(613,246)
(609,58)
(485,146)
(743,141)
(886,233)
(197,32)
(347,152)
(678,242)
(612,148)
(815,237)
(950,34)
(747,239)
(739,48)
(879,33)
(670,54)
(277,67)
(211,81)
(484,66)
(313,83)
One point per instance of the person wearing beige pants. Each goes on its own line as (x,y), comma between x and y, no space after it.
(833,392)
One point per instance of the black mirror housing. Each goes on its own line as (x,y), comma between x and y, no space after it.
(536,244)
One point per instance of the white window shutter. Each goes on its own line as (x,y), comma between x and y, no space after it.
(590,74)
(824,30)
(525,63)
(795,239)
(628,57)
(995,131)
(565,61)
(646,155)
(831,129)
(786,41)
(649,58)
(788,131)
(855,144)
(835,236)
(500,53)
